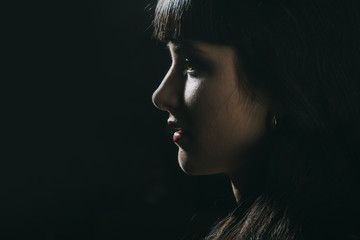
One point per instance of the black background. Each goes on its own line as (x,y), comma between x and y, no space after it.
(86,155)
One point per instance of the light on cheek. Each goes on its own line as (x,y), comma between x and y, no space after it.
(191,92)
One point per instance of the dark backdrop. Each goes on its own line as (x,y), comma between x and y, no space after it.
(86,155)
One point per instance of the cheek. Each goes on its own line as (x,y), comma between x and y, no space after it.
(193,92)
(231,127)
(247,120)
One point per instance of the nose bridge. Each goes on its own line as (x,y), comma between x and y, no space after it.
(166,96)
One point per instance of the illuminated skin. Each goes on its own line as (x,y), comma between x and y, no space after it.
(222,124)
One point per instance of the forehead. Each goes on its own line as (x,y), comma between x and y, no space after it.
(201,49)
(188,46)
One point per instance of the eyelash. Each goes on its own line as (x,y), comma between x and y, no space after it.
(189,67)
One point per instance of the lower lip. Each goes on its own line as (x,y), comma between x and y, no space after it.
(178,135)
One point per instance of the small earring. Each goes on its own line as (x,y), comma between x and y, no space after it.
(274,121)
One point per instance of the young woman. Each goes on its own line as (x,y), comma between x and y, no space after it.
(268,92)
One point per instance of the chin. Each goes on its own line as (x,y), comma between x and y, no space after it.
(189,169)
(194,166)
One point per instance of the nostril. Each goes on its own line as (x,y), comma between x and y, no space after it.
(161,101)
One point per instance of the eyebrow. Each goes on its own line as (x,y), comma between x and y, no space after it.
(180,47)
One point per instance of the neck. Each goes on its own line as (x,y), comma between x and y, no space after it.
(247,179)
(238,181)
(236,192)
(246,182)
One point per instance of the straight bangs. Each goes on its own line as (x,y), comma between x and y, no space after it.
(176,20)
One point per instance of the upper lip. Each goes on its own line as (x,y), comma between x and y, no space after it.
(174,124)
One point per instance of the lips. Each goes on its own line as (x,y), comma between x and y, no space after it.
(180,133)
(174,124)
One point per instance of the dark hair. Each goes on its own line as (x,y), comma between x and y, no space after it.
(306,54)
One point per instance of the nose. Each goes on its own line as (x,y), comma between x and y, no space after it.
(166,96)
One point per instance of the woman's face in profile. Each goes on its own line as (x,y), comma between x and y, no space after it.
(216,124)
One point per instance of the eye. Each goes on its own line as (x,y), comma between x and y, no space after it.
(189,66)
